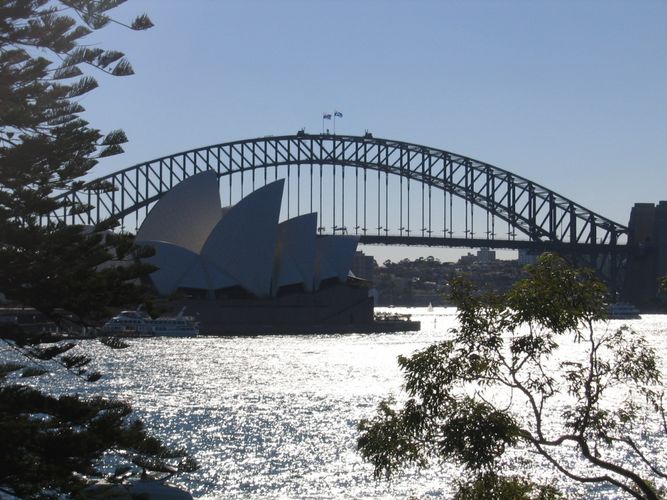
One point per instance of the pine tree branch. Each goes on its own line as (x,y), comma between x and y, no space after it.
(71,370)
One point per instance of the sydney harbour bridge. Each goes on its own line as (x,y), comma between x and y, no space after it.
(387,192)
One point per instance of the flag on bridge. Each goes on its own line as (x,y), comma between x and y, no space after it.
(338,114)
(326,116)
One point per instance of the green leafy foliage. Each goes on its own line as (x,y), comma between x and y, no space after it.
(395,440)
(493,487)
(503,382)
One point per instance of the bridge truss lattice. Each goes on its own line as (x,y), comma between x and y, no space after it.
(394,192)
(385,191)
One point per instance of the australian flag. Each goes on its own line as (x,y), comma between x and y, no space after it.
(326,116)
(338,114)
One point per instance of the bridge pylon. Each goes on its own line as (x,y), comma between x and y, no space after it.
(646,256)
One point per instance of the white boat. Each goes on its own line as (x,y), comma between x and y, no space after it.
(138,323)
(176,326)
(623,310)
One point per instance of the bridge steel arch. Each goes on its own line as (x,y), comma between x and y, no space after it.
(542,218)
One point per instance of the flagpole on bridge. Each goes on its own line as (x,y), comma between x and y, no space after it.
(326,116)
(339,115)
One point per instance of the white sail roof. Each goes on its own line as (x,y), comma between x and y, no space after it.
(174,263)
(334,257)
(204,275)
(186,214)
(295,252)
(204,247)
(243,242)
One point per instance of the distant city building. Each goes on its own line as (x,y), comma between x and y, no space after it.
(486,255)
(467,259)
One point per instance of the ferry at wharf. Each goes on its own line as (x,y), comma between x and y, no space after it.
(139,324)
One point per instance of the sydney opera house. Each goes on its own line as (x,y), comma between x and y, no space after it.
(239,270)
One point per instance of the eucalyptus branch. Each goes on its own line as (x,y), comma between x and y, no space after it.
(588,384)
(586,479)
(564,438)
(519,366)
(628,474)
(536,412)
(480,395)
(631,443)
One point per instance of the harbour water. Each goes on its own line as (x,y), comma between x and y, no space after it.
(276,416)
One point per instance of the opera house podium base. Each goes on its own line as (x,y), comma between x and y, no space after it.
(334,308)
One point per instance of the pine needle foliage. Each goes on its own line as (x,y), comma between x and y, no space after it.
(57,443)
(52,446)
(46,146)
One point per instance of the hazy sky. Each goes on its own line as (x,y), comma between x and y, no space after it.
(569,94)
